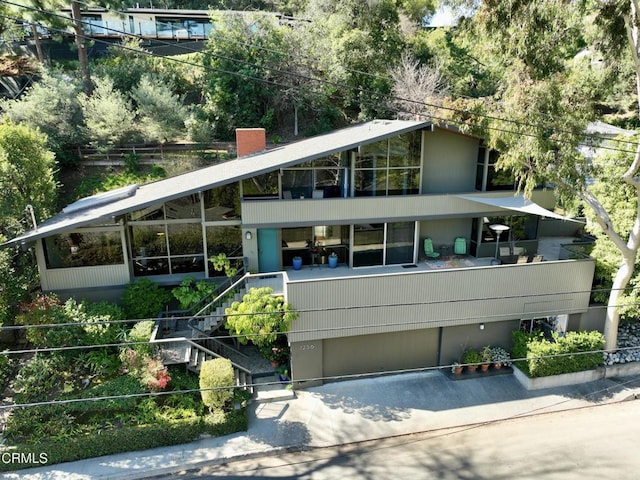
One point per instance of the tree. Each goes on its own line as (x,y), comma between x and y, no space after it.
(160,112)
(362,40)
(262,319)
(108,115)
(26,178)
(51,105)
(415,84)
(27,186)
(548,105)
(125,64)
(242,60)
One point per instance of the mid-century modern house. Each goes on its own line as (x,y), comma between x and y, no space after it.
(413,247)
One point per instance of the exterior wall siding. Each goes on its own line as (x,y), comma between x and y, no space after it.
(449,162)
(328,211)
(455,340)
(85,277)
(373,304)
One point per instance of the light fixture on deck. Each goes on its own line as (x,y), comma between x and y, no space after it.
(248,235)
(498,229)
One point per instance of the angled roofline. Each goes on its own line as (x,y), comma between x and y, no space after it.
(221,174)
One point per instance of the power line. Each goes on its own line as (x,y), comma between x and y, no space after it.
(299,381)
(359,72)
(335,84)
(322,309)
(420,324)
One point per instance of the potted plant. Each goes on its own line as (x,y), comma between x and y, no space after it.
(297,262)
(486,358)
(500,357)
(472,358)
(456,368)
(333,260)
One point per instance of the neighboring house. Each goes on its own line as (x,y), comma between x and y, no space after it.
(371,194)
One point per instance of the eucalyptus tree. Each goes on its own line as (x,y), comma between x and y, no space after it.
(548,94)
(362,40)
(242,59)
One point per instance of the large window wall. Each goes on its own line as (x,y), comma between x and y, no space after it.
(322,178)
(315,244)
(88,247)
(360,245)
(388,167)
(179,236)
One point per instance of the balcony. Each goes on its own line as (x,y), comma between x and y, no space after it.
(466,290)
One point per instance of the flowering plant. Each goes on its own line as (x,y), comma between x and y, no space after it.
(500,355)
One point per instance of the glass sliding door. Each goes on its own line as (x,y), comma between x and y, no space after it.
(383,244)
(400,243)
(368,244)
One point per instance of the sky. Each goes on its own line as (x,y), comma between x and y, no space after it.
(443,17)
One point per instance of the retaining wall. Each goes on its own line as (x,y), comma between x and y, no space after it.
(618,370)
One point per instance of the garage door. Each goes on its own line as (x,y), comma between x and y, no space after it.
(380,353)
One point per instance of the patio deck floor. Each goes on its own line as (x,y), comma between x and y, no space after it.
(548,247)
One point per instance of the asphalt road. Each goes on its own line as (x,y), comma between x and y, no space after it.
(590,443)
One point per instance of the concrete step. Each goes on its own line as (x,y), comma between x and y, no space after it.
(270,389)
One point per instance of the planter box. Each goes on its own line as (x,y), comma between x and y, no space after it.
(623,370)
(617,370)
(558,380)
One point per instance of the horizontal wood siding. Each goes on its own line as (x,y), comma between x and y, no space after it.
(332,308)
(329,211)
(85,277)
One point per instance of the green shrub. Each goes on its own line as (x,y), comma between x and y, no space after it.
(216,374)
(6,366)
(182,380)
(191,292)
(221,423)
(471,356)
(46,309)
(41,422)
(111,441)
(130,438)
(141,333)
(144,299)
(38,379)
(121,385)
(553,357)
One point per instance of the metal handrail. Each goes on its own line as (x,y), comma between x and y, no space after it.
(205,350)
(202,311)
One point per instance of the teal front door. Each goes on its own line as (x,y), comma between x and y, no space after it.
(268,250)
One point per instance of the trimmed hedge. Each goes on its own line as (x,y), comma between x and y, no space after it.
(126,439)
(553,357)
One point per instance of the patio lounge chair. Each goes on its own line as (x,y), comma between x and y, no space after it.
(460,246)
(428,249)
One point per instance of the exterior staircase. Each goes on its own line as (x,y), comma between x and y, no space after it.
(192,341)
